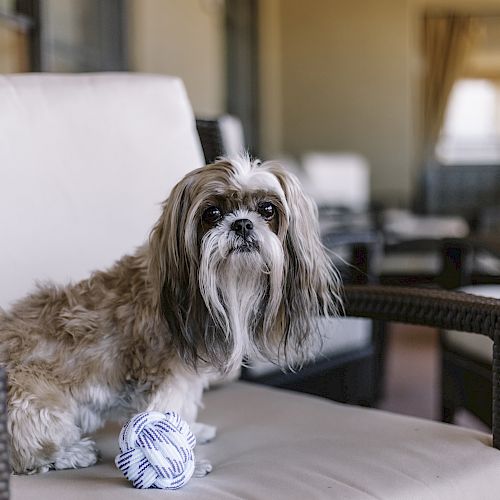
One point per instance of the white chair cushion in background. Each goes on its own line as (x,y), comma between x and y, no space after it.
(340,335)
(233,138)
(338,179)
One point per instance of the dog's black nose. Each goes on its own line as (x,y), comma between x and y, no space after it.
(242,227)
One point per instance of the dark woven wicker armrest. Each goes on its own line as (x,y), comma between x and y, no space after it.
(439,308)
(421,306)
(4,452)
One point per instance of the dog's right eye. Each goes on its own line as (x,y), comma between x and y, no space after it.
(211,215)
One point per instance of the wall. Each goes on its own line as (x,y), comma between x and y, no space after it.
(334,74)
(270,85)
(349,79)
(183,38)
(346,84)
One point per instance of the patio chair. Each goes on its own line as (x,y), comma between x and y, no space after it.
(64,140)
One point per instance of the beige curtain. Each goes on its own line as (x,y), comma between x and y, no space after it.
(447,40)
(13,49)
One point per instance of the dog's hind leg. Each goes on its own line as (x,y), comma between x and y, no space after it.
(43,433)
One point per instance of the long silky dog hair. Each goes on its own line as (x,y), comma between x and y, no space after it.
(296,284)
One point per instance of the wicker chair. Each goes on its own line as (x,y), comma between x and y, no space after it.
(272,443)
(211,139)
(466,381)
(471,191)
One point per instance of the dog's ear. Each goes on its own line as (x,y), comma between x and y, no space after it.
(311,281)
(173,265)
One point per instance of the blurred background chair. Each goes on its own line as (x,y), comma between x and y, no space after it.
(457,209)
(471,265)
(452,201)
(471,191)
(338,180)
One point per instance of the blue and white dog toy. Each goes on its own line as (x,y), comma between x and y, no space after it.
(156,451)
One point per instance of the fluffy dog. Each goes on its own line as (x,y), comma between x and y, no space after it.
(233,268)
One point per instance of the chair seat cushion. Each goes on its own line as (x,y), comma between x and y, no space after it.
(276,444)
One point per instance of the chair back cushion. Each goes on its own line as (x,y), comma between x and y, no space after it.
(85,162)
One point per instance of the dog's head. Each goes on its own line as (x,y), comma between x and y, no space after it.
(237,265)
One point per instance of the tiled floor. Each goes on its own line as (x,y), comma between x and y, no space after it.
(412,376)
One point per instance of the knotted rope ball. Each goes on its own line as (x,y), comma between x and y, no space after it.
(156,451)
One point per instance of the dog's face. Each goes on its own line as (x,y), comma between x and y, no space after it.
(237,265)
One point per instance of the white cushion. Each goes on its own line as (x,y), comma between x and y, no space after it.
(395,262)
(405,225)
(233,138)
(339,179)
(476,346)
(430,262)
(85,161)
(339,336)
(273,444)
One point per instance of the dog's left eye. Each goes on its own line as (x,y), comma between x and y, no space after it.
(267,210)
(212,215)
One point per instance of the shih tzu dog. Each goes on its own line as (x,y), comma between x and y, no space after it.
(233,268)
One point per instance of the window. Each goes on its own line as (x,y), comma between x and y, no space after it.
(471,129)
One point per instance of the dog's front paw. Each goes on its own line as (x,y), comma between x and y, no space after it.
(83,453)
(42,469)
(204,433)
(202,468)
